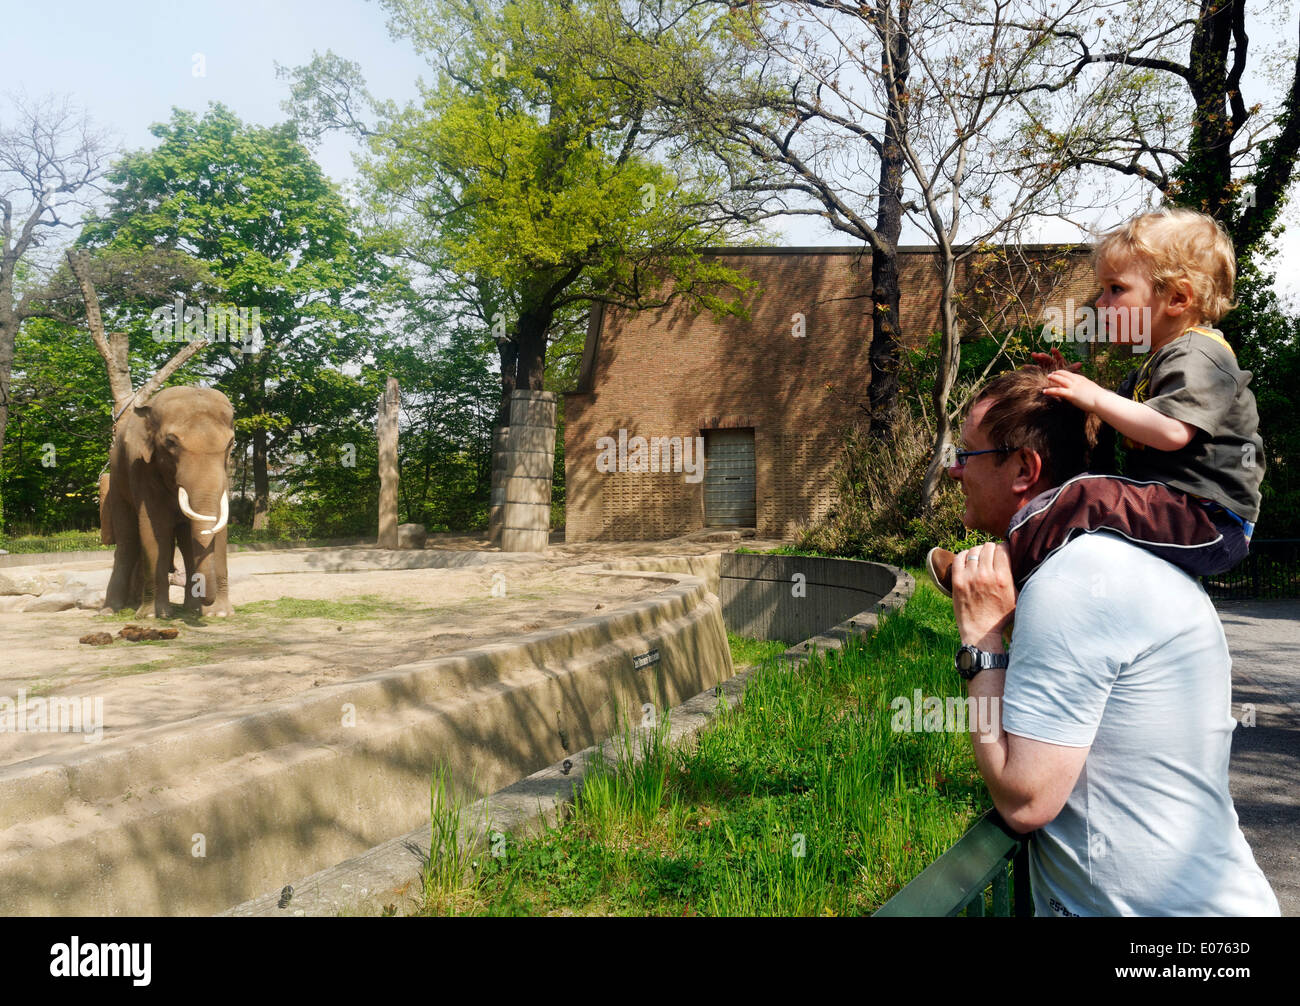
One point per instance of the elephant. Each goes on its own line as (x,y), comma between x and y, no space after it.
(168,487)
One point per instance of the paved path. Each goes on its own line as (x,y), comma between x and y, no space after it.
(1264,639)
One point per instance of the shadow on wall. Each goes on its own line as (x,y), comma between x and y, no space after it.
(791,598)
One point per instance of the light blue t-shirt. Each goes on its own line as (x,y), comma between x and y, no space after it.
(1122,651)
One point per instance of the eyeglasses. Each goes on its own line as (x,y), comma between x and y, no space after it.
(963,455)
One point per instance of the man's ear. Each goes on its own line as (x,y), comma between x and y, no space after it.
(1029,469)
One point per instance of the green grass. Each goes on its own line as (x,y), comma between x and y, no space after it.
(128,614)
(753,651)
(364,607)
(63,541)
(79,541)
(801,800)
(790,550)
(189,655)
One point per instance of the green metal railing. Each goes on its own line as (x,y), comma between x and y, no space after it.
(989,855)
(1272,569)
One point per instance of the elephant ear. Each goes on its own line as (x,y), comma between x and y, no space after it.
(139,436)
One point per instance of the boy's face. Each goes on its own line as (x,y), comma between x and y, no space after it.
(1131,311)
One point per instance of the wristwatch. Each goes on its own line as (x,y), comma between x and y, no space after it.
(970,661)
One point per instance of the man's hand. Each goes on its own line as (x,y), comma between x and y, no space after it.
(1075,389)
(983,595)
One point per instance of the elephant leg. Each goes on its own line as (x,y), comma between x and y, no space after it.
(125,578)
(157,542)
(123,585)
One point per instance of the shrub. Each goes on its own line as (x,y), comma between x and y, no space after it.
(879,515)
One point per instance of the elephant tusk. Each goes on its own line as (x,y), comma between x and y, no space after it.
(184,498)
(222,517)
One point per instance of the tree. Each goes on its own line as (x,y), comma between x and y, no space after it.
(50,162)
(58,435)
(252,204)
(529,176)
(1187,129)
(130,277)
(757,102)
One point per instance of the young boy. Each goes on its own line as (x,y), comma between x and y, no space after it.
(1194,459)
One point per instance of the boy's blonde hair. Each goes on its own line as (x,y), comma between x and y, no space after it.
(1173,244)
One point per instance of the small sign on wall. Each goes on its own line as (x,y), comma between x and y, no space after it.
(642,660)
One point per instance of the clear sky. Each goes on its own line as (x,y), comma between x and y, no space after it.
(130,61)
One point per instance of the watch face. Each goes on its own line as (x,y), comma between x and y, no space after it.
(965,660)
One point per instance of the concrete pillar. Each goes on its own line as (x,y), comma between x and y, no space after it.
(497,502)
(530,464)
(386,428)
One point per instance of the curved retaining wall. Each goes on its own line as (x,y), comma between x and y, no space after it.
(193,818)
(388,875)
(795,597)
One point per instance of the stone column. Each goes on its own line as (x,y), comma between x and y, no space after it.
(530,464)
(497,502)
(386,428)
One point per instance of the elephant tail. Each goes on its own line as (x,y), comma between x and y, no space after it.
(105,513)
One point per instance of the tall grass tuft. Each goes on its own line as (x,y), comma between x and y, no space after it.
(447,874)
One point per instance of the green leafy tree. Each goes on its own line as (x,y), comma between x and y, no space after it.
(529,179)
(253,204)
(61,412)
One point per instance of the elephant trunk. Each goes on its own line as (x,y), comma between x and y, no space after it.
(199,507)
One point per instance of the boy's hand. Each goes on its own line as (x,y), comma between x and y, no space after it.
(1075,389)
(1053,361)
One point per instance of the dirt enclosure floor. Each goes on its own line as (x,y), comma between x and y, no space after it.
(293,631)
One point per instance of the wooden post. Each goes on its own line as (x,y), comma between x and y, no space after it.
(386,428)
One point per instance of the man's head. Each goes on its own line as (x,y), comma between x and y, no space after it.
(1175,261)
(1036,443)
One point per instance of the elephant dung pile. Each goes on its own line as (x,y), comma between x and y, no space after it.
(133,633)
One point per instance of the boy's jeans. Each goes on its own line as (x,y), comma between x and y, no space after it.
(1198,536)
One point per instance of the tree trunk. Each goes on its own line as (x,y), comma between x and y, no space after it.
(1210,187)
(8,333)
(882,394)
(508,351)
(386,431)
(531,339)
(261,482)
(949,358)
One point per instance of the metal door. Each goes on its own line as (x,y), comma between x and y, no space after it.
(729,483)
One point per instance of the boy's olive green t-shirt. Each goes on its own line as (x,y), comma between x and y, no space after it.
(1195,379)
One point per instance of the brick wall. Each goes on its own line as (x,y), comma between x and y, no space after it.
(670,372)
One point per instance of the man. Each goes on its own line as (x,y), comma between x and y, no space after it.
(1115,699)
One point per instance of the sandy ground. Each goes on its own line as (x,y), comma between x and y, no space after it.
(361,622)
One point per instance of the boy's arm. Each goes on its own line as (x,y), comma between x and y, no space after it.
(1137,422)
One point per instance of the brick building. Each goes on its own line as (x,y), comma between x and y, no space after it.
(767,399)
